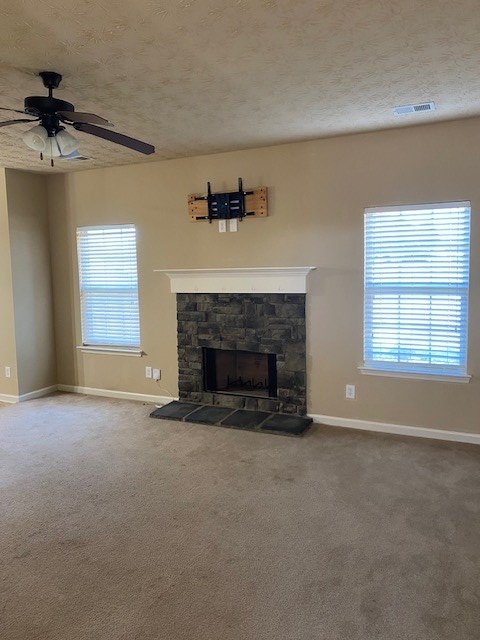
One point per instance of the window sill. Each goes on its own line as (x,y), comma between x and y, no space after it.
(415,376)
(115,351)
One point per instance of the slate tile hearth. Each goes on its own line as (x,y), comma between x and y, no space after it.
(284,424)
(209,415)
(244,419)
(175,410)
(261,421)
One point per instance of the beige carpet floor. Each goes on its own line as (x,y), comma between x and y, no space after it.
(115,526)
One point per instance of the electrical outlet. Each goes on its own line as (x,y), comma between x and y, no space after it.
(233,224)
(156,374)
(8,372)
(148,372)
(222,226)
(350,391)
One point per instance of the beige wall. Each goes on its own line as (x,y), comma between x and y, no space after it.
(8,356)
(317,194)
(32,283)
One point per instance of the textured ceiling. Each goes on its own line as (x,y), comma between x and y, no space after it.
(202,76)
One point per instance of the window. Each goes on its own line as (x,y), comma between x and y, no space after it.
(416,290)
(107,264)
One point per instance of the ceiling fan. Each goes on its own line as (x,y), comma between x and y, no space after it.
(50,137)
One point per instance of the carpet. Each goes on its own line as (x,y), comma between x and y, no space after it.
(114,526)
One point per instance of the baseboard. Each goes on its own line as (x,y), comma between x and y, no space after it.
(38,393)
(398,429)
(121,395)
(4,397)
(349,423)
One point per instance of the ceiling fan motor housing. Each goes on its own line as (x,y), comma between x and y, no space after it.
(46,108)
(38,105)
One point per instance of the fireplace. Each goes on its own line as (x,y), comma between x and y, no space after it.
(241,336)
(241,373)
(269,324)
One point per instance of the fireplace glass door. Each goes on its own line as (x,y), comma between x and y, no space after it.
(242,373)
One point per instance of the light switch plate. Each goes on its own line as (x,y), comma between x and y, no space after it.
(222,226)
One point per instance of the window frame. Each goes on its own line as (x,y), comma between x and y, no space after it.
(440,372)
(107,347)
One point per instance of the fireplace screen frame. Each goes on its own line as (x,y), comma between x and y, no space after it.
(210,373)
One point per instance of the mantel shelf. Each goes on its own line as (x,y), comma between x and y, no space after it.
(239,280)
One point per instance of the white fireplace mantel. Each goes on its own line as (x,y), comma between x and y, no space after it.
(239,280)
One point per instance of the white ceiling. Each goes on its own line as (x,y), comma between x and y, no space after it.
(203,76)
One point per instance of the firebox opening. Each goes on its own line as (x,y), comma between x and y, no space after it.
(242,373)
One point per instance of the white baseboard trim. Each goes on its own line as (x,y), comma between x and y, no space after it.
(349,423)
(38,393)
(31,395)
(398,429)
(121,395)
(4,397)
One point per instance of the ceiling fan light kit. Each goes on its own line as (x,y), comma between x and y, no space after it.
(53,149)
(36,138)
(66,142)
(49,136)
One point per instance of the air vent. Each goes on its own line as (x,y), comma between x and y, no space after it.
(414,108)
(75,156)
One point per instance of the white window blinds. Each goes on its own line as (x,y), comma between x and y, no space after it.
(107,263)
(416,288)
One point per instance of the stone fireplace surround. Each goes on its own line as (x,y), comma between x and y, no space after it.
(258,310)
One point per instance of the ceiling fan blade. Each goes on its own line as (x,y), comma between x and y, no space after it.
(118,138)
(14,110)
(83,118)
(5,123)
